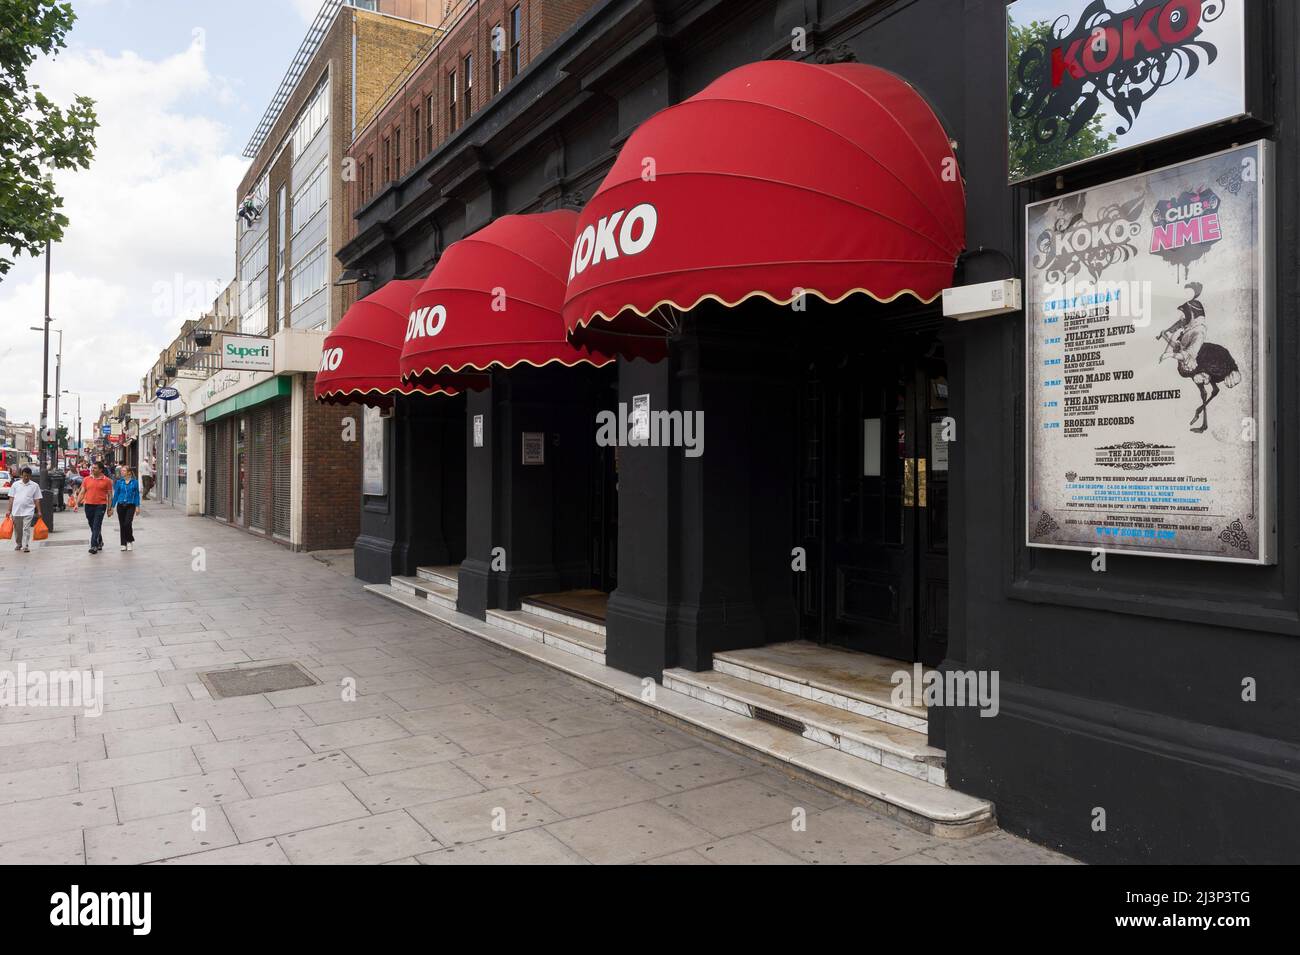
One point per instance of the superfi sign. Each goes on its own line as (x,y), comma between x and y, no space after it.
(248,354)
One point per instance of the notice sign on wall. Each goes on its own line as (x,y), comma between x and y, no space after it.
(1149,409)
(1089,77)
(534,447)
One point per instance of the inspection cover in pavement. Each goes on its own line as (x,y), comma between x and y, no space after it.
(251,680)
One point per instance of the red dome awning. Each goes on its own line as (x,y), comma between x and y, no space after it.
(778,177)
(360,358)
(493,301)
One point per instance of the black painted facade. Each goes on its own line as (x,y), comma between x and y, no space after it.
(1119,690)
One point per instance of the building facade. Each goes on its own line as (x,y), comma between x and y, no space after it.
(879,494)
(245,445)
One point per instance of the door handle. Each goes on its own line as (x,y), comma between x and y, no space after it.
(920,482)
(909,482)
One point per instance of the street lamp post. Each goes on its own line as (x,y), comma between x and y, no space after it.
(67,391)
(45,377)
(58,377)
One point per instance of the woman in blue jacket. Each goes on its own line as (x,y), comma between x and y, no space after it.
(126,499)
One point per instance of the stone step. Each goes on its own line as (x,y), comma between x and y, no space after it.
(581,623)
(446,576)
(552,632)
(857,682)
(430,590)
(921,805)
(893,747)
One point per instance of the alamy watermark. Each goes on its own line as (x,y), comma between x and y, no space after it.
(922,687)
(53,688)
(642,427)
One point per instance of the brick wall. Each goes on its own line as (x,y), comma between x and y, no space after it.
(331,517)
(469,29)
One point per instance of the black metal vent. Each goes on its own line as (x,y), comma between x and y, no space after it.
(776,719)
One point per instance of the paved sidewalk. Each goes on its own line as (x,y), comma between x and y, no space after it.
(453,751)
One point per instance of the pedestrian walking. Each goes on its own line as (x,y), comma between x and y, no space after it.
(146,476)
(96,493)
(74,486)
(126,499)
(25,502)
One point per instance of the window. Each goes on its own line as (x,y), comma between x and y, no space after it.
(261,195)
(451,102)
(416,151)
(497,44)
(428,119)
(279,225)
(516,35)
(312,118)
(361,181)
(397,152)
(308,276)
(385,151)
(281,204)
(252,290)
(469,84)
(370,175)
(311,196)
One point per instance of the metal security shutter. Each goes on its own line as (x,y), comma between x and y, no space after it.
(259,468)
(221,472)
(210,469)
(281,457)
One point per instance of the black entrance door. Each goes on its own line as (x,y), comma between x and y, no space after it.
(875,487)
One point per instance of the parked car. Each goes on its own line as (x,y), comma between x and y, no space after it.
(5,481)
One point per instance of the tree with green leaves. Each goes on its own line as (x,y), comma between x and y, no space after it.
(1027,155)
(37,136)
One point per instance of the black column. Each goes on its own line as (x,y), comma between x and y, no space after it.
(419,520)
(704,541)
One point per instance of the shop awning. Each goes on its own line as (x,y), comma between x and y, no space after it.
(493,301)
(360,358)
(779,178)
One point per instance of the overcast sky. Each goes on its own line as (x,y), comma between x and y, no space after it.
(176,108)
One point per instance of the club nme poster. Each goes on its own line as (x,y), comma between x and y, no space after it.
(1149,394)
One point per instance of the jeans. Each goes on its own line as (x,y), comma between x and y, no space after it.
(125,516)
(95,518)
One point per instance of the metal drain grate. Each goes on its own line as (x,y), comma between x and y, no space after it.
(776,719)
(253,680)
(80,543)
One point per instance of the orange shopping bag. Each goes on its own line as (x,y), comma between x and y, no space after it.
(39,530)
(7,529)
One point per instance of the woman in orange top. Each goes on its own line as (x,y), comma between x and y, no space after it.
(95,493)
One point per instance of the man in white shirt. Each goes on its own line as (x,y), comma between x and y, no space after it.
(146,475)
(24,501)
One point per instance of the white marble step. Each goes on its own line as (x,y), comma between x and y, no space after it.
(915,803)
(858,682)
(581,623)
(550,631)
(446,576)
(423,587)
(893,747)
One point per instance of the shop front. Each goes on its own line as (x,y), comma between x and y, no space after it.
(274,462)
(939,460)
(249,458)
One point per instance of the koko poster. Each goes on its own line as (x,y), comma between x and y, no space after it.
(1148,402)
(1089,77)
